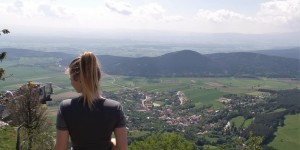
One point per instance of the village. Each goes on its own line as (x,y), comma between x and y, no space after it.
(174,110)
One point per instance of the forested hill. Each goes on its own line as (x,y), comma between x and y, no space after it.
(185,63)
(287,53)
(189,63)
(252,64)
(182,63)
(13,53)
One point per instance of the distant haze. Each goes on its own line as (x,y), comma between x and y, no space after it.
(196,16)
(205,26)
(111,42)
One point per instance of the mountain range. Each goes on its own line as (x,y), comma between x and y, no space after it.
(186,63)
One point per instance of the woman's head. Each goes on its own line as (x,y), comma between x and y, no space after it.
(85,75)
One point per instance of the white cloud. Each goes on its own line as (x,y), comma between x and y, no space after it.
(31,8)
(219,15)
(119,7)
(173,18)
(273,16)
(280,12)
(154,12)
(54,11)
(281,8)
(16,7)
(150,15)
(47,10)
(18,4)
(151,9)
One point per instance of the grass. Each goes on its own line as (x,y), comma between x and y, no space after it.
(257,93)
(287,137)
(211,139)
(238,121)
(8,138)
(37,60)
(204,96)
(23,74)
(51,112)
(244,85)
(137,133)
(247,123)
(52,119)
(208,147)
(279,110)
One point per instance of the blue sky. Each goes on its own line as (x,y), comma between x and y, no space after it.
(196,16)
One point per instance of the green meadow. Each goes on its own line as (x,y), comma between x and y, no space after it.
(240,121)
(247,123)
(288,136)
(204,96)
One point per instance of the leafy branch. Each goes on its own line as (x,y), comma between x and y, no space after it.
(2,55)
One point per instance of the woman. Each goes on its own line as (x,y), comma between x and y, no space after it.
(89,119)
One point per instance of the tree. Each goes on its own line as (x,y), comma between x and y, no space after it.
(2,55)
(27,112)
(253,143)
(163,141)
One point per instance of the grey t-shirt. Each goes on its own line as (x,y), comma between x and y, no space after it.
(90,129)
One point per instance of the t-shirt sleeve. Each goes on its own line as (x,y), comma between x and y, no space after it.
(122,120)
(60,121)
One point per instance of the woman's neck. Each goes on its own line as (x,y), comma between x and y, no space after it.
(97,95)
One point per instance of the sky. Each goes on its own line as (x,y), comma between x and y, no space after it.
(193,16)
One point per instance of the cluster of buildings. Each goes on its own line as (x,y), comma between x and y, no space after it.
(167,114)
(183,121)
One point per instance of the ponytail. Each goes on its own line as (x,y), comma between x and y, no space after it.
(86,68)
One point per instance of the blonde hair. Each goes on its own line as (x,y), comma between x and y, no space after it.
(86,69)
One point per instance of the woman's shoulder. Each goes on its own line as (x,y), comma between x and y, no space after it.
(109,103)
(68,102)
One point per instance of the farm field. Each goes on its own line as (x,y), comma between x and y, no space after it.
(207,89)
(49,70)
(287,137)
(201,91)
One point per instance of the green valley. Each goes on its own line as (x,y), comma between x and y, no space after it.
(199,108)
